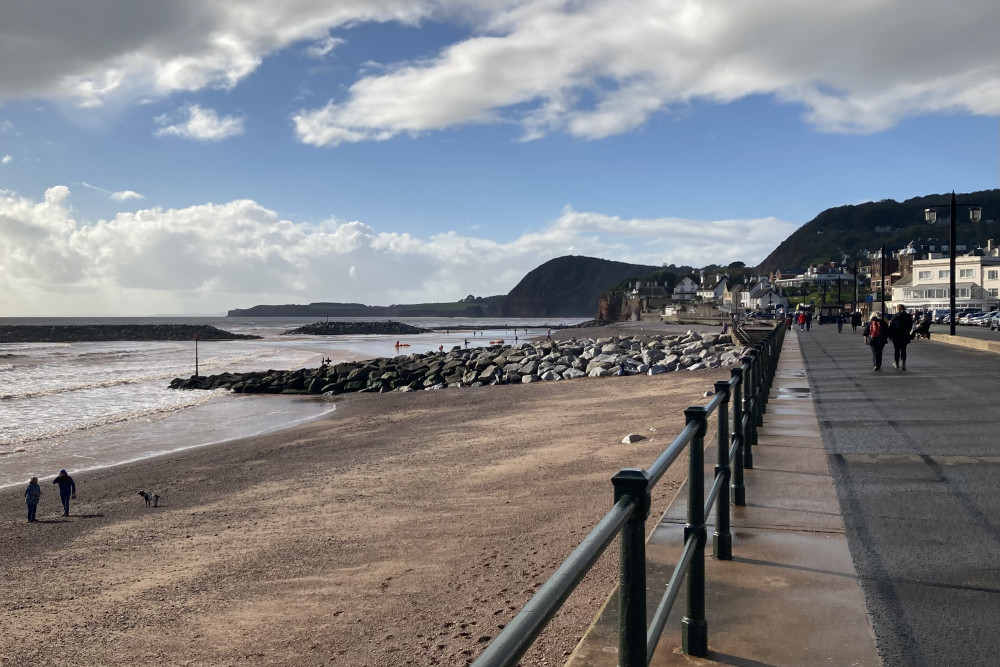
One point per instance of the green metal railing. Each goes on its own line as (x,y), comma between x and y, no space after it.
(739,402)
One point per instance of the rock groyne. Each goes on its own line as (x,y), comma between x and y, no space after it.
(500,364)
(388,328)
(78,333)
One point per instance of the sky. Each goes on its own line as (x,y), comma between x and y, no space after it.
(194,156)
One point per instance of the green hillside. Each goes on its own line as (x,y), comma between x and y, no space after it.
(849,230)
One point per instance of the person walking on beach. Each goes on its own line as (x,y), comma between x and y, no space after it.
(67,489)
(31,496)
(899,331)
(875,334)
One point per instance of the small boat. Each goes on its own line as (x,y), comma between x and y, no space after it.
(398,344)
(496,342)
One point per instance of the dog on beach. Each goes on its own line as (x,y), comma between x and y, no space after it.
(152,499)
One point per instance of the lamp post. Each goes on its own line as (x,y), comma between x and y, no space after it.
(930,215)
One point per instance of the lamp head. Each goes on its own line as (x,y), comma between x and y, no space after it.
(976,213)
(930,216)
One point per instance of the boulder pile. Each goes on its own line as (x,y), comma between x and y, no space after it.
(501,364)
(338,328)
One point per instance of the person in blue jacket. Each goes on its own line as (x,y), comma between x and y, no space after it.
(67,489)
(31,496)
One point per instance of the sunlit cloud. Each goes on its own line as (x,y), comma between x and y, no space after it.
(201,125)
(213,257)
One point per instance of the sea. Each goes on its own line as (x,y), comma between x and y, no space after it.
(82,406)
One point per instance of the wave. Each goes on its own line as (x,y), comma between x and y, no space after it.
(161,375)
(116,420)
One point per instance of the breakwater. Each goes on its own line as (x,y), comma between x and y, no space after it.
(75,333)
(388,328)
(496,364)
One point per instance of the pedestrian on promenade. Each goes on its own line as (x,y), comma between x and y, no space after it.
(855,321)
(31,496)
(802,320)
(67,489)
(809,320)
(875,334)
(899,331)
(840,322)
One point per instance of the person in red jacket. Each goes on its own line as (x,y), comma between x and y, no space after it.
(876,333)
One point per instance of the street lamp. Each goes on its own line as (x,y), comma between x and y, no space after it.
(930,215)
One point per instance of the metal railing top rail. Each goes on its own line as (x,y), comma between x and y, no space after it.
(525,627)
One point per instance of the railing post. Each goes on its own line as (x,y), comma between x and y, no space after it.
(634,483)
(765,362)
(758,390)
(694,627)
(722,539)
(748,408)
(737,494)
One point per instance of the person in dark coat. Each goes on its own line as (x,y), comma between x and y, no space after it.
(899,330)
(31,496)
(876,333)
(67,489)
(855,321)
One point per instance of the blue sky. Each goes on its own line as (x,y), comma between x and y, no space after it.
(194,157)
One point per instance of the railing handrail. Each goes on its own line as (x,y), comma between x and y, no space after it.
(747,390)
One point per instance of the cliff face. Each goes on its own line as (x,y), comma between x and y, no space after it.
(568,286)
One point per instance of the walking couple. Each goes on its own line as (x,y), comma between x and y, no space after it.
(32,494)
(877,332)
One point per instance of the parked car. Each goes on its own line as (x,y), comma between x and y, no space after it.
(995,321)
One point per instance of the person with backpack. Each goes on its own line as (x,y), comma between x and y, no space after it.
(876,332)
(899,330)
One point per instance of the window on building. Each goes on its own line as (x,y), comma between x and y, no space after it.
(993,291)
(966,273)
(945,273)
(963,292)
(924,275)
(991,275)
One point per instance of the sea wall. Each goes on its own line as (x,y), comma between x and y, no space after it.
(73,333)
(499,364)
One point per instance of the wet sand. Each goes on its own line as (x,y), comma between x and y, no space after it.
(404,529)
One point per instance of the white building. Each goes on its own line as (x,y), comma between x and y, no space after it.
(686,289)
(976,286)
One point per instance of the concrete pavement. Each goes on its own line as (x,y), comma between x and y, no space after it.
(790,596)
(916,462)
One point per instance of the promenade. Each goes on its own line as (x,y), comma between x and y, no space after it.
(871,533)
(916,462)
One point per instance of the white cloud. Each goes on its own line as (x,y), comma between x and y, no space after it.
(202,125)
(125,195)
(121,195)
(6,159)
(594,69)
(590,68)
(213,257)
(103,50)
(323,47)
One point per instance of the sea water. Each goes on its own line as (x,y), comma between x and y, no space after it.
(88,405)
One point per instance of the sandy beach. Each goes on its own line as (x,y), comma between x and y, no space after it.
(403,529)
